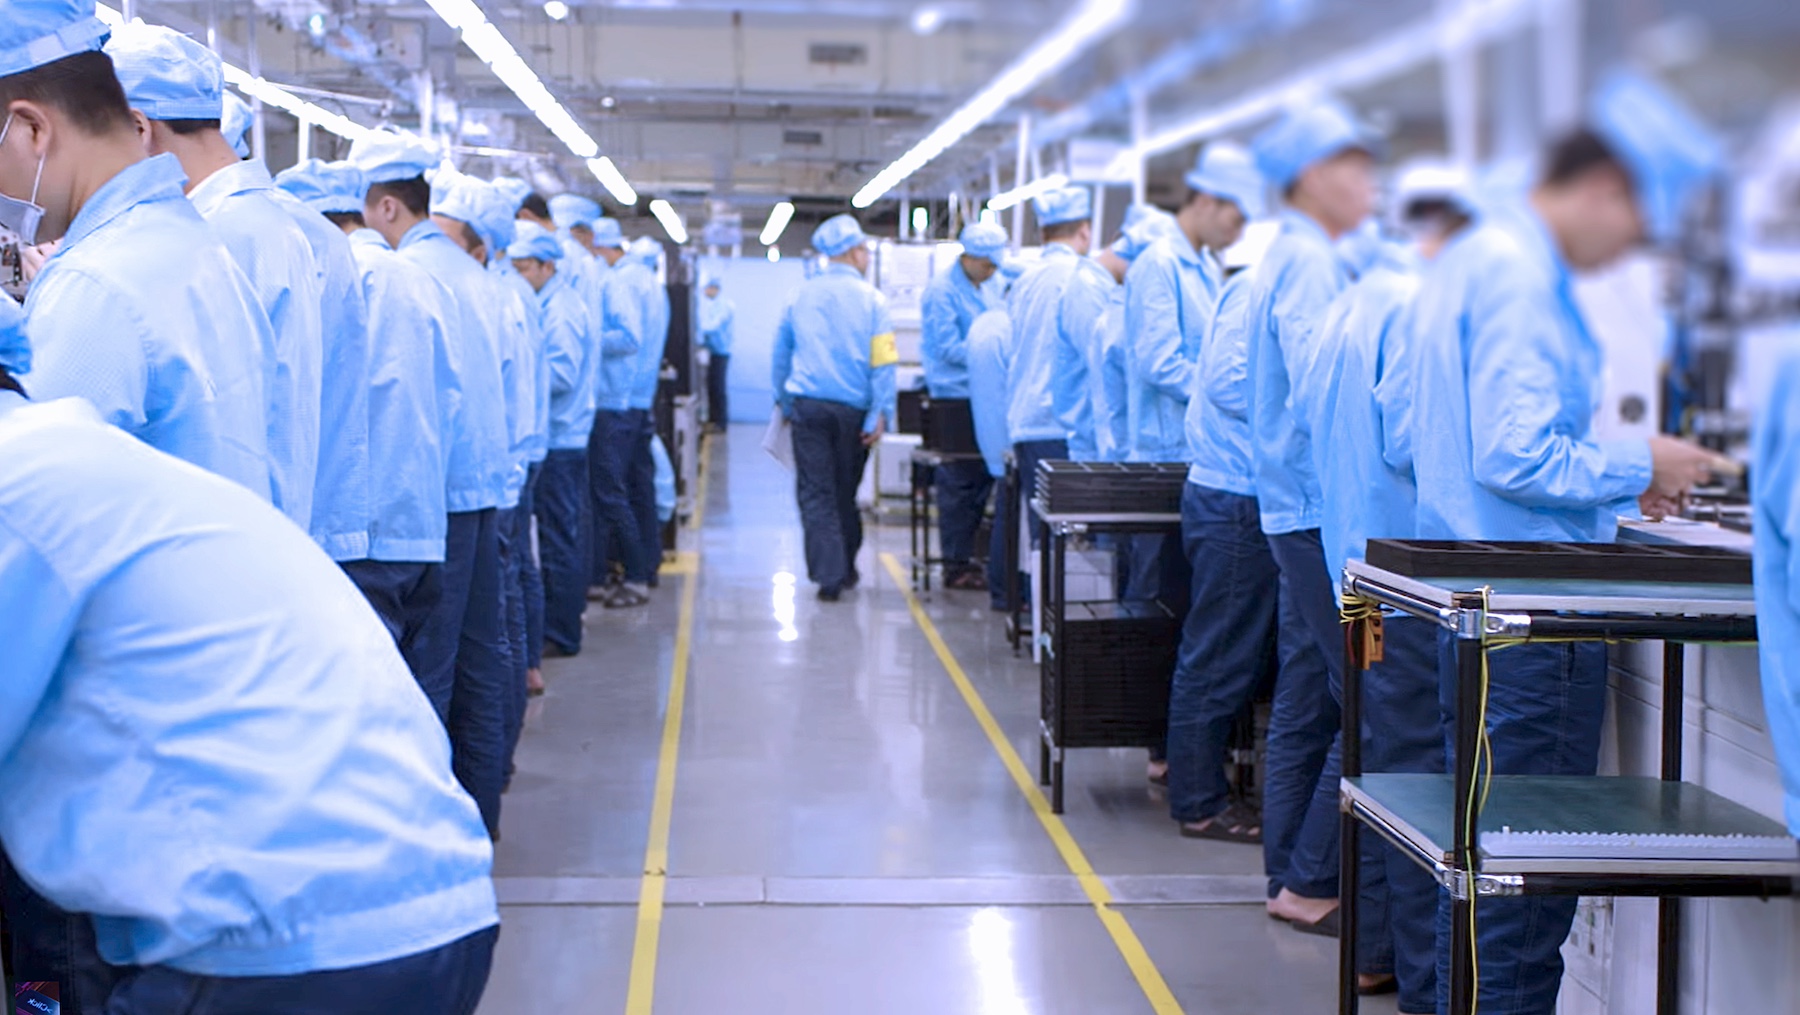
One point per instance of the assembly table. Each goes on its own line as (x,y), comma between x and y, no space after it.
(1428,816)
(1053,631)
(921,501)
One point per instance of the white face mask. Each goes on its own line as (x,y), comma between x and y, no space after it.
(22,217)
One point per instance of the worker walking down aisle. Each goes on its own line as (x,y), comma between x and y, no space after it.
(718,330)
(949,307)
(833,376)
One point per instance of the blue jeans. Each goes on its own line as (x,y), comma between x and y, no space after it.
(829,457)
(718,408)
(1304,718)
(1027,454)
(512,597)
(1227,644)
(615,525)
(470,692)
(52,944)
(531,569)
(565,540)
(640,491)
(962,496)
(997,536)
(1546,708)
(404,596)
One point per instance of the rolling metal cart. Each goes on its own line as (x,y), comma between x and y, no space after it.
(1428,816)
(922,502)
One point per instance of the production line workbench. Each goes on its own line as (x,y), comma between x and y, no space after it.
(1428,816)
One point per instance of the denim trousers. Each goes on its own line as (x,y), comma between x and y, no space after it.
(1304,718)
(1227,644)
(616,536)
(512,598)
(997,536)
(962,497)
(565,542)
(1546,710)
(829,457)
(718,398)
(405,597)
(640,492)
(531,567)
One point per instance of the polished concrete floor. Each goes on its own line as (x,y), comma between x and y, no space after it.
(844,837)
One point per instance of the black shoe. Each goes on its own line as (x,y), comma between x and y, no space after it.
(830,595)
(853,581)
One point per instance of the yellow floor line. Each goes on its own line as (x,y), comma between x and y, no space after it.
(1149,978)
(641,995)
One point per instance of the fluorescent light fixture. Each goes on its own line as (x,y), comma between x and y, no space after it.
(267,92)
(927,19)
(774,255)
(1019,195)
(1392,54)
(921,220)
(779,217)
(613,180)
(1090,22)
(487,43)
(556,9)
(989,216)
(671,222)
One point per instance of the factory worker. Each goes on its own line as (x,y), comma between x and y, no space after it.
(466,639)
(1036,306)
(565,526)
(1507,372)
(632,283)
(468,210)
(616,433)
(834,380)
(1776,469)
(175,87)
(142,310)
(237,670)
(718,329)
(413,398)
(1144,225)
(949,307)
(990,337)
(574,219)
(235,123)
(1359,391)
(1320,160)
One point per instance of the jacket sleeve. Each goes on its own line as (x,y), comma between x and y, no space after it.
(1517,372)
(622,334)
(1394,374)
(1302,304)
(86,340)
(883,356)
(940,340)
(565,348)
(42,612)
(1159,361)
(781,361)
(1225,360)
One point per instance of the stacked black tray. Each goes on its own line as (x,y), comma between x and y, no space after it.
(1613,562)
(1111,682)
(1111,488)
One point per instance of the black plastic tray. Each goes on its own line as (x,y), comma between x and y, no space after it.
(1617,562)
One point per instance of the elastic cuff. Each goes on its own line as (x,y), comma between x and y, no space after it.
(1628,464)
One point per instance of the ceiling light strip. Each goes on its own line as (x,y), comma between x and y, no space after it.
(779,217)
(269,93)
(1091,22)
(671,222)
(1019,195)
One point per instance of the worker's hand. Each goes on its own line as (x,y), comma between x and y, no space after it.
(1678,466)
(874,437)
(31,259)
(1656,507)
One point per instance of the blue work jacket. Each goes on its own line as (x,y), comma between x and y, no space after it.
(144,313)
(521,359)
(1294,286)
(1077,347)
(1776,477)
(1036,307)
(1507,389)
(989,338)
(718,324)
(415,402)
(835,343)
(637,303)
(481,461)
(1170,294)
(342,495)
(950,305)
(1218,413)
(573,359)
(1107,383)
(210,744)
(238,202)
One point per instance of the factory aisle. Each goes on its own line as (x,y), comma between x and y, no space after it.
(842,834)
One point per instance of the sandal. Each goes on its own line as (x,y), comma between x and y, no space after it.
(625,598)
(1236,823)
(1377,987)
(1324,926)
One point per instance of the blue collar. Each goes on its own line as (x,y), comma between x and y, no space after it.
(1058,249)
(1522,221)
(835,268)
(158,178)
(423,231)
(557,283)
(238,178)
(12,401)
(366,237)
(1302,222)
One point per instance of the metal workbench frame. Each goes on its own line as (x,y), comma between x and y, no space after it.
(1634,612)
(1052,556)
(921,500)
